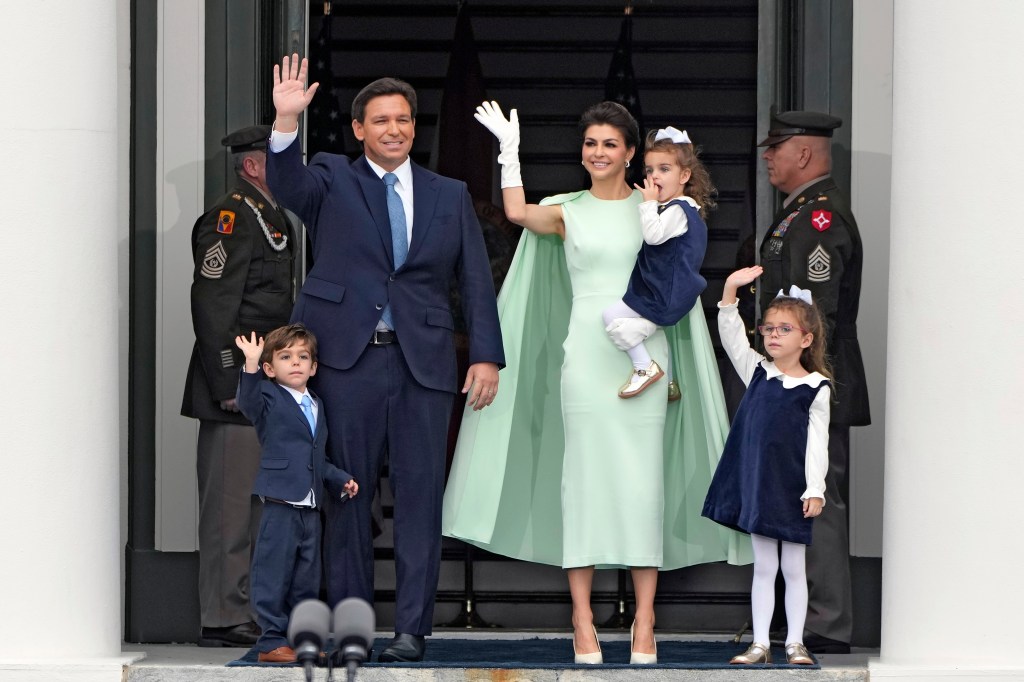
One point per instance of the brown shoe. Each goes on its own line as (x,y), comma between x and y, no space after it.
(282,654)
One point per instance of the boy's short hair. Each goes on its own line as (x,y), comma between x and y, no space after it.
(286,336)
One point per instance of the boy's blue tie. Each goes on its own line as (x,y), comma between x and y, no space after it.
(399,232)
(307,409)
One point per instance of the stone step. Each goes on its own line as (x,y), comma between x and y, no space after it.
(188,663)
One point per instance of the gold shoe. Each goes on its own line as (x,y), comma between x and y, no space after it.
(756,653)
(797,654)
(674,393)
(637,658)
(648,376)
(595,658)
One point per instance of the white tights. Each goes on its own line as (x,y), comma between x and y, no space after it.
(638,353)
(762,592)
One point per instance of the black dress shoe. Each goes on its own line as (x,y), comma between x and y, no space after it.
(817,644)
(241,635)
(404,649)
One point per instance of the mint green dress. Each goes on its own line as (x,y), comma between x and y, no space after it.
(559,469)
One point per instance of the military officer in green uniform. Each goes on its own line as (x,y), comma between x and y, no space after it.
(814,243)
(244,281)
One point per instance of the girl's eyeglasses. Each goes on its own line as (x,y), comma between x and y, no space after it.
(782,329)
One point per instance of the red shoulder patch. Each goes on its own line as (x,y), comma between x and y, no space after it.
(226,222)
(821,220)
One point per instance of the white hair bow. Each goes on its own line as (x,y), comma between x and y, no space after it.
(670,133)
(796,292)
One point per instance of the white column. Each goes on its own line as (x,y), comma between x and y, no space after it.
(952,595)
(59,509)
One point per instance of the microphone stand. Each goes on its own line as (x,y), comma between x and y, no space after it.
(353,654)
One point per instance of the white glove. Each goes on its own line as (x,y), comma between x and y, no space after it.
(507,132)
(627,332)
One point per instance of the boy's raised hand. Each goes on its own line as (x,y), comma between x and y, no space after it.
(252,349)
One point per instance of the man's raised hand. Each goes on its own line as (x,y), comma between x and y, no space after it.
(291,96)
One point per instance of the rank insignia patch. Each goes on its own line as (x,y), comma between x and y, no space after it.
(226,359)
(226,222)
(214,261)
(821,220)
(819,265)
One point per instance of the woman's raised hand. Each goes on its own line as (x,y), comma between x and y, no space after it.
(505,129)
(507,132)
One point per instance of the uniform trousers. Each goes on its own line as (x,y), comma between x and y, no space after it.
(830,607)
(378,409)
(227,461)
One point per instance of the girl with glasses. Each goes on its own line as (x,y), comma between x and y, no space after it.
(770,481)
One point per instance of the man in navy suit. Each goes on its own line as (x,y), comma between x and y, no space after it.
(389,240)
(293,473)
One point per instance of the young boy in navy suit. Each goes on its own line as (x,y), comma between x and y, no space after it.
(294,471)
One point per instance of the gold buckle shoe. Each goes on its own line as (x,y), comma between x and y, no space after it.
(674,393)
(797,654)
(756,653)
(648,376)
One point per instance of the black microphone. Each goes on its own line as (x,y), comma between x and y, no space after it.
(354,623)
(308,630)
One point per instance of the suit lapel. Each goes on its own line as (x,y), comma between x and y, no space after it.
(376,202)
(424,193)
(293,406)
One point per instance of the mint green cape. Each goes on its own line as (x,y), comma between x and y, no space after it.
(504,490)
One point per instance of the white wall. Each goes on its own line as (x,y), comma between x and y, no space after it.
(179,183)
(871,172)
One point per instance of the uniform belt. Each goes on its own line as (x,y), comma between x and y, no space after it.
(383,337)
(288,504)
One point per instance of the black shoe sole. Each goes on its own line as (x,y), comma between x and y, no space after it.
(206,642)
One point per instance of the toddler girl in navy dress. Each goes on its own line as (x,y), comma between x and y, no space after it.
(665,282)
(770,481)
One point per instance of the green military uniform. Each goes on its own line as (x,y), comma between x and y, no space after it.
(243,281)
(815,244)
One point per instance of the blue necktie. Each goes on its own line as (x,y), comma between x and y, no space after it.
(399,232)
(307,409)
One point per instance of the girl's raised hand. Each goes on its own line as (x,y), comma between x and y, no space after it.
(649,191)
(744,276)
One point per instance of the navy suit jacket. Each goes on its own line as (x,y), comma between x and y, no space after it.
(293,460)
(343,205)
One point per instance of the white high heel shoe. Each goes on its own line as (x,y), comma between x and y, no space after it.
(595,658)
(637,658)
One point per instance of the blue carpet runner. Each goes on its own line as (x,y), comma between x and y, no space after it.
(557,653)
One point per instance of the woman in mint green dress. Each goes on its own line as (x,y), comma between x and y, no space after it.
(560,470)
